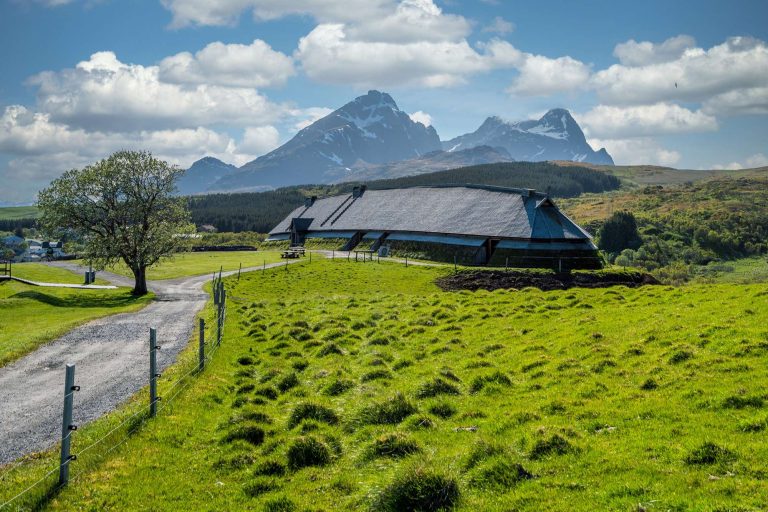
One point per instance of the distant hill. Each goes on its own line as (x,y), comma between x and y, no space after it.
(202,174)
(556,136)
(261,211)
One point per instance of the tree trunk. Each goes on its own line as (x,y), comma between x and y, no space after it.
(140,276)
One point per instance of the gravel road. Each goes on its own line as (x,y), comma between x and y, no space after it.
(111,358)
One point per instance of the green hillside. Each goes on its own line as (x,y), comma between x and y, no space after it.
(344,386)
(18,212)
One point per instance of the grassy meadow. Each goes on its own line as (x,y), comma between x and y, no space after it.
(18,212)
(42,273)
(31,316)
(199,263)
(362,386)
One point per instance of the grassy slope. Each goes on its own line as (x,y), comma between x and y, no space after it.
(199,263)
(46,274)
(18,212)
(31,315)
(577,362)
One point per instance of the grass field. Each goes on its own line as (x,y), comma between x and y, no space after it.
(41,273)
(742,271)
(18,212)
(199,263)
(344,386)
(32,315)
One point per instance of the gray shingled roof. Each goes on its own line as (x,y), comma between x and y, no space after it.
(459,210)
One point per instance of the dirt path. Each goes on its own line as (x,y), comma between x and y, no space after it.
(111,361)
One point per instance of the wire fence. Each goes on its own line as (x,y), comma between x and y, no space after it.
(36,494)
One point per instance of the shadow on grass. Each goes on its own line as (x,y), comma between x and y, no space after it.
(81,301)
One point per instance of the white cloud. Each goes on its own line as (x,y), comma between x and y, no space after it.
(259,139)
(41,149)
(328,56)
(236,65)
(421,117)
(542,76)
(103,93)
(309,115)
(637,151)
(756,160)
(227,12)
(645,120)
(499,26)
(411,21)
(729,70)
(741,101)
(633,53)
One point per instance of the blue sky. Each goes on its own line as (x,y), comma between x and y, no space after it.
(235,78)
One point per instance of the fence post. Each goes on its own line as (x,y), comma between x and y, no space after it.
(406,262)
(66,425)
(201,351)
(454,263)
(153,375)
(239,270)
(506,263)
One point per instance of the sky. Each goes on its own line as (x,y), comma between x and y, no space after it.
(681,84)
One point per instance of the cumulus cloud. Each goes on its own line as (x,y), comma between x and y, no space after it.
(499,26)
(734,71)
(542,76)
(259,139)
(236,65)
(421,117)
(327,55)
(227,12)
(632,53)
(41,149)
(103,93)
(644,120)
(637,151)
(756,160)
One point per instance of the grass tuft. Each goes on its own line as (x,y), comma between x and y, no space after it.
(393,445)
(436,387)
(709,453)
(308,451)
(418,489)
(310,411)
(388,412)
(555,445)
(250,433)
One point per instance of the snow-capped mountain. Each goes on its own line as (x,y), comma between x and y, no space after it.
(556,136)
(370,129)
(202,174)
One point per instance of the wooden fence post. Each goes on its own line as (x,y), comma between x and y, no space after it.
(66,425)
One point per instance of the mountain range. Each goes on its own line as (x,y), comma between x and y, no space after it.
(371,138)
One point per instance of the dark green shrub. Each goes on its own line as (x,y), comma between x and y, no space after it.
(310,411)
(393,445)
(245,360)
(288,382)
(442,410)
(375,375)
(259,486)
(478,383)
(555,445)
(680,356)
(418,490)
(267,392)
(308,451)
(338,387)
(500,474)
(270,468)
(280,504)
(328,349)
(619,232)
(709,453)
(249,433)
(742,402)
(388,412)
(436,387)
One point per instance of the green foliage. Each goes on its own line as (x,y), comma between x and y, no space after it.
(710,453)
(619,232)
(313,412)
(308,451)
(418,489)
(389,412)
(123,208)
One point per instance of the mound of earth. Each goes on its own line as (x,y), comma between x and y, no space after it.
(501,279)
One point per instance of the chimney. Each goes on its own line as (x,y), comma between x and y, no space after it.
(309,201)
(530,192)
(358,191)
